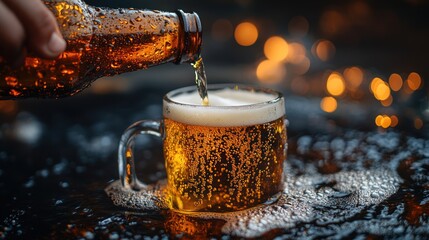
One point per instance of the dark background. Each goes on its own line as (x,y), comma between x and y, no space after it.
(58,155)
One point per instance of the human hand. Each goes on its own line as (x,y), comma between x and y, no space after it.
(28,25)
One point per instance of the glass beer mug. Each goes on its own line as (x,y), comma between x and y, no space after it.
(224,157)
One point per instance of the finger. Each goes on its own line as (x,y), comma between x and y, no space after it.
(12,36)
(43,36)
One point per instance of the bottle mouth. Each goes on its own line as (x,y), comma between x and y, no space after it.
(192,37)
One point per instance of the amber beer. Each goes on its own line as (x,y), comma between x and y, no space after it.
(103,42)
(227,156)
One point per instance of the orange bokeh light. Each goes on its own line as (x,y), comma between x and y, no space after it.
(354,77)
(276,48)
(297,53)
(246,34)
(335,84)
(395,121)
(395,82)
(387,102)
(328,104)
(378,120)
(418,123)
(324,50)
(380,89)
(385,121)
(414,81)
(269,71)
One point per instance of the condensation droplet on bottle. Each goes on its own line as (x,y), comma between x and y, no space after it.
(167,45)
(67,71)
(115,65)
(138,19)
(14,92)
(153,26)
(11,81)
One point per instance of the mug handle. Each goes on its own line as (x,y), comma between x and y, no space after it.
(127,171)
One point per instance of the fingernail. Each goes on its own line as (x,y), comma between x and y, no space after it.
(56,44)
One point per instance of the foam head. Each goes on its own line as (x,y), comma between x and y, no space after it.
(228,107)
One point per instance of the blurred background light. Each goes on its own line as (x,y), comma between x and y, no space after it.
(270,72)
(354,77)
(335,84)
(414,81)
(276,48)
(297,53)
(324,50)
(328,104)
(395,82)
(246,34)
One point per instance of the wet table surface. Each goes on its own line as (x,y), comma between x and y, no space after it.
(57,157)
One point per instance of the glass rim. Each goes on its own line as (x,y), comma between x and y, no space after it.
(278,96)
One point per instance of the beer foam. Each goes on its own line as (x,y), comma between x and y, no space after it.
(227,108)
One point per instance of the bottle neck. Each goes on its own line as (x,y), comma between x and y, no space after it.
(191,39)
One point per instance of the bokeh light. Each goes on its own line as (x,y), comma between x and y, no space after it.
(301,67)
(354,77)
(418,123)
(395,121)
(328,104)
(276,48)
(380,89)
(271,72)
(395,82)
(335,84)
(246,34)
(414,81)
(297,53)
(387,102)
(385,121)
(324,50)
(378,120)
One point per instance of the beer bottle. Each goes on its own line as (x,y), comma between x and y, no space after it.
(103,42)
